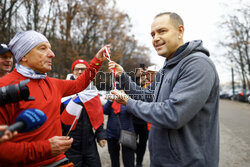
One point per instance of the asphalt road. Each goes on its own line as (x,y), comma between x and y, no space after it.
(235,134)
(234,137)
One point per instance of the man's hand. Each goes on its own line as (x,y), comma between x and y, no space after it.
(118,69)
(101,53)
(119,96)
(60,144)
(102,143)
(8,135)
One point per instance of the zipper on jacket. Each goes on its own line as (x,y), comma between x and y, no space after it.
(162,73)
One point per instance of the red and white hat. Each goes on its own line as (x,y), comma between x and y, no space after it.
(80,61)
(152,68)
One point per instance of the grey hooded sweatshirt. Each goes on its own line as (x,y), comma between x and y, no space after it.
(183,111)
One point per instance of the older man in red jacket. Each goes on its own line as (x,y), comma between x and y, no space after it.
(44,146)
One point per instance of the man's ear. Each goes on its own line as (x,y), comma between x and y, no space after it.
(24,59)
(181,32)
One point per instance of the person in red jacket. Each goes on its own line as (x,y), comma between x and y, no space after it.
(6,62)
(44,146)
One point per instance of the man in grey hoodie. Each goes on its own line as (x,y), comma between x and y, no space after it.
(184,109)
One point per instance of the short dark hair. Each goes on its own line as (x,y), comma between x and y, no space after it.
(175,19)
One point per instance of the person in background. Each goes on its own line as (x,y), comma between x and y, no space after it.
(6,60)
(6,63)
(44,146)
(151,73)
(144,80)
(115,110)
(83,152)
(184,114)
(140,125)
(137,77)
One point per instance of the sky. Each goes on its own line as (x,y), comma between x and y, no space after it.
(201,19)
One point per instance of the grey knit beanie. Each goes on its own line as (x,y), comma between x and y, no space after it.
(23,42)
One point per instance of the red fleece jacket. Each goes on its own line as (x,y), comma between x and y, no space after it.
(33,148)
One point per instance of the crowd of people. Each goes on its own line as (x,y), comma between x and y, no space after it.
(174,109)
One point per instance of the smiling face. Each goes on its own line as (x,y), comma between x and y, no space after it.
(166,37)
(6,62)
(39,58)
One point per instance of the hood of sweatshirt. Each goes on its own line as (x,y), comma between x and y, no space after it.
(185,50)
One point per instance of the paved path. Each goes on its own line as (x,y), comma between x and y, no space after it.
(235,134)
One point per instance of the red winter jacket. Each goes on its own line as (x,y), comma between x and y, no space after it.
(33,148)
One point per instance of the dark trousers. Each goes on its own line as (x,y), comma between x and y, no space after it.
(142,134)
(84,158)
(114,152)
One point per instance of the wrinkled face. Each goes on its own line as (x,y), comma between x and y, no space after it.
(79,69)
(6,62)
(39,58)
(166,38)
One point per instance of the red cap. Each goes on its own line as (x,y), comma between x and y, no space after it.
(80,61)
